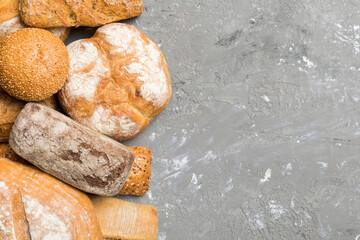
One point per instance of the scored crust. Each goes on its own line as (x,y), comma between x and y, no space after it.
(118,81)
(53,209)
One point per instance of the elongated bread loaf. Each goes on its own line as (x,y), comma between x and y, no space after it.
(10,20)
(53,209)
(67,13)
(69,151)
(119,219)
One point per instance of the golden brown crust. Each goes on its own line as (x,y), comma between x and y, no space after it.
(124,78)
(124,220)
(44,195)
(7,152)
(34,64)
(68,13)
(10,20)
(138,181)
(10,108)
(8,9)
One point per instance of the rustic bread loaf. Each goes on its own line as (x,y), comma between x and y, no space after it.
(10,107)
(68,13)
(69,151)
(13,223)
(53,210)
(124,220)
(118,81)
(138,181)
(10,20)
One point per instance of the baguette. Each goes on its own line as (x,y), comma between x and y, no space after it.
(53,209)
(69,151)
(68,13)
(124,220)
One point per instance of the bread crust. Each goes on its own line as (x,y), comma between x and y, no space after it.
(118,81)
(33,64)
(10,20)
(68,13)
(51,206)
(138,181)
(13,223)
(10,108)
(8,9)
(69,151)
(119,219)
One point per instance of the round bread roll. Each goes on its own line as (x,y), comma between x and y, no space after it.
(34,64)
(118,81)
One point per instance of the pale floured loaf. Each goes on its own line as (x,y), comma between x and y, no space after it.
(53,210)
(68,13)
(118,81)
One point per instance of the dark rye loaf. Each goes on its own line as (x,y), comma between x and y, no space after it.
(70,151)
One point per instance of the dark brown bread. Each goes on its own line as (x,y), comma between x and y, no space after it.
(69,151)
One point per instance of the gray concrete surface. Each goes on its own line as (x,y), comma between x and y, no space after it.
(261,138)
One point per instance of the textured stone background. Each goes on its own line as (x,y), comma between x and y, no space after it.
(261,138)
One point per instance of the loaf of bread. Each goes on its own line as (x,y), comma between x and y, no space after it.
(13,223)
(118,81)
(69,151)
(34,64)
(67,13)
(124,220)
(53,210)
(10,108)
(138,181)
(10,20)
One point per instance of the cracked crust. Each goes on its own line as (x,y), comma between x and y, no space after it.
(118,81)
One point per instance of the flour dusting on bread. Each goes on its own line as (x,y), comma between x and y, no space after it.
(43,222)
(105,122)
(119,36)
(86,69)
(146,63)
(10,26)
(4,210)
